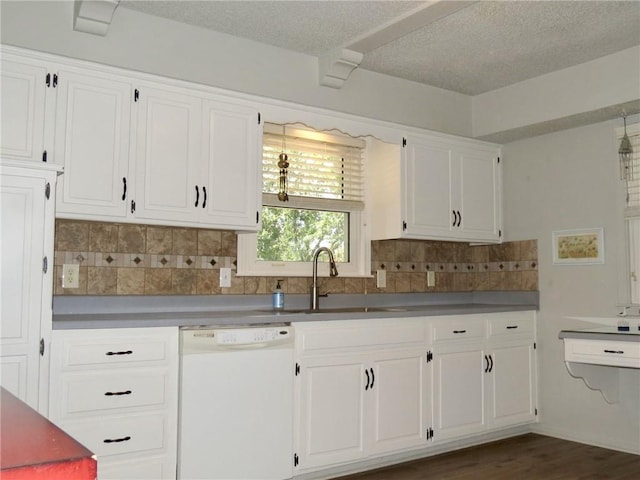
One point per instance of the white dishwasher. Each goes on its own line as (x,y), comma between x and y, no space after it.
(236,403)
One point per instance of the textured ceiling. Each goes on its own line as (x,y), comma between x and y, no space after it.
(483,46)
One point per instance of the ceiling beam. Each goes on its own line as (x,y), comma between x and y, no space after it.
(334,67)
(426,14)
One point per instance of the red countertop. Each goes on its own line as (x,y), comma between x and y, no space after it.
(31,447)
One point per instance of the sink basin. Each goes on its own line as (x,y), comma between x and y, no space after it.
(341,310)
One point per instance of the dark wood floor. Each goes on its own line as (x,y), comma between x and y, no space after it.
(526,457)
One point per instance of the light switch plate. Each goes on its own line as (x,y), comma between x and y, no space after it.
(70,275)
(381,278)
(225,277)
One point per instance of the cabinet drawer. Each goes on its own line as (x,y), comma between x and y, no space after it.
(602,352)
(458,328)
(153,468)
(115,352)
(518,323)
(119,435)
(87,393)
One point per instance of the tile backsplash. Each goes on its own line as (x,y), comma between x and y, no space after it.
(126,259)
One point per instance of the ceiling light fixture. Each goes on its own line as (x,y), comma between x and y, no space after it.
(625,152)
(283,164)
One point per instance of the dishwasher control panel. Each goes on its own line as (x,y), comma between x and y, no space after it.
(243,336)
(202,339)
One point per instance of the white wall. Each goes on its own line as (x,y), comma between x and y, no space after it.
(154,45)
(568,180)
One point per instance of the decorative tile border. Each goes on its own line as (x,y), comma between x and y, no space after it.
(141,260)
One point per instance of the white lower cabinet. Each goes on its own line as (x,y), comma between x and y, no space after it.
(401,406)
(116,392)
(459,385)
(484,373)
(362,389)
(370,388)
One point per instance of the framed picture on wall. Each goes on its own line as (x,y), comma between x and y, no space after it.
(583,246)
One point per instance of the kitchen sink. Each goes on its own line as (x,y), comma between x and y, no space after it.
(341,310)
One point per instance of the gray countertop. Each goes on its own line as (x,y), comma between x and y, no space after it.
(603,333)
(230,310)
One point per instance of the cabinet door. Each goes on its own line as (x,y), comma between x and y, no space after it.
(92,142)
(22,243)
(399,399)
(23,110)
(169,178)
(232,144)
(331,411)
(459,386)
(511,386)
(479,195)
(428,189)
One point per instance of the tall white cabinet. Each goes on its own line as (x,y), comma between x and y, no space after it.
(26,263)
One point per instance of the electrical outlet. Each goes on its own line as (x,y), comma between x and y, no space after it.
(70,275)
(381,278)
(431,279)
(225,277)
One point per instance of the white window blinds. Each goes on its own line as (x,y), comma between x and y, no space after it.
(323,169)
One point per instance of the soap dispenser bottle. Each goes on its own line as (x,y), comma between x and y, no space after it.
(277,299)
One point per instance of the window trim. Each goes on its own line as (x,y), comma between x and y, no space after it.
(629,213)
(359,264)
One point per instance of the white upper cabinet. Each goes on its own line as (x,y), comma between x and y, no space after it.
(169,173)
(23,109)
(134,148)
(92,143)
(232,147)
(197,160)
(436,188)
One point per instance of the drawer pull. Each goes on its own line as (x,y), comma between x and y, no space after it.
(619,352)
(459,331)
(126,392)
(126,352)
(511,327)
(117,440)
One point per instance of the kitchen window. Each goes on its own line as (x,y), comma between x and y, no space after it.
(632,216)
(325,205)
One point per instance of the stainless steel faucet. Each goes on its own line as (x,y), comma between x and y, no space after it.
(333,271)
